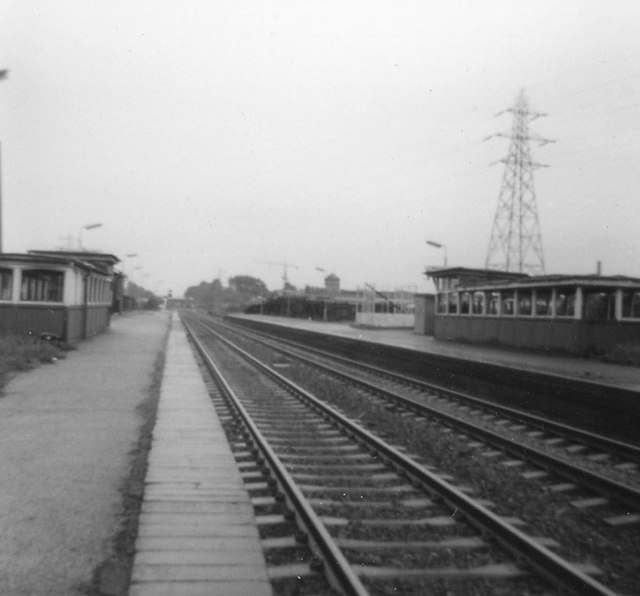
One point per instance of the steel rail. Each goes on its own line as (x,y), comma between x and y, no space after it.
(544,561)
(619,448)
(603,485)
(336,564)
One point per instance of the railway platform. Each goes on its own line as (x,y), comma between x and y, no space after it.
(197,533)
(67,434)
(626,377)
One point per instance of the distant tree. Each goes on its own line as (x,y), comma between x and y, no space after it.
(138,292)
(248,287)
(153,303)
(245,290)
(216,299)
(289,287)
(206,295)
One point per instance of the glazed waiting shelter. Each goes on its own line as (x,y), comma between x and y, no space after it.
(580,314)
(55,294)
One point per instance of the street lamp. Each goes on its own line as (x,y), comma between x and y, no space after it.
(87,227)
(131,279)
(324,299)
(131,255)
(4,73)
(439,245)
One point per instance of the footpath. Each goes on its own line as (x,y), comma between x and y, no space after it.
(67,436)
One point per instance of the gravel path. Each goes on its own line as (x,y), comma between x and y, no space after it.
(66,435)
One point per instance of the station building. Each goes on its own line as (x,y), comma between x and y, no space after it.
(580,314)
(56,294)
(367,307)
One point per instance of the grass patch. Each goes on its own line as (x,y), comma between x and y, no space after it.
(624,354)
(18,353)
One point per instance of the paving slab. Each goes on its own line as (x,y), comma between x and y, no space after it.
(202,556)
(218,544)
(197,531)
(211,572)
(192,588)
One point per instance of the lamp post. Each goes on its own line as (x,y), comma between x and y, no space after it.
(4,73)
(87,227)
(324,299)
(158,294)
(131,255)
(131,280)
(439,245)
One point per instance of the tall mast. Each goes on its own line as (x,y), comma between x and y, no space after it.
(516,242)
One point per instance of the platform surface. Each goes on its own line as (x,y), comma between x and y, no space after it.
(197,533)
(67,432)
(627,377)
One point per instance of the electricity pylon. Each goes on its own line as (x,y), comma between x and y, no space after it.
(285,266)
(516,243)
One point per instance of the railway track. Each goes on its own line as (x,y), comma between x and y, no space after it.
(609,466)
(393,522)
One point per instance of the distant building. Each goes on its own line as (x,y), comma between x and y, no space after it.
(332,303)
(424,314)
(175,303)
(332,285)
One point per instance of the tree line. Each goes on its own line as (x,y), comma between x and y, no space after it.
(215,298)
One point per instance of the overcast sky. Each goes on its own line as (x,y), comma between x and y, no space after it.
(213,137)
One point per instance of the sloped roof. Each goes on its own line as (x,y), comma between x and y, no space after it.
(478,273)
(101,260)
(489,278)
(50,259)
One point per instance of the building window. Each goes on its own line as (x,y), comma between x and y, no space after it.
(478,303)
(631,305)
(442,304)
(493,303)
(565,304)
(453,303)
(6,284)
(524,303)
(465,300)
(507,303)
(600,305)
(543,303)
(41,285)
